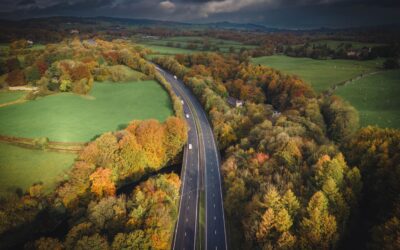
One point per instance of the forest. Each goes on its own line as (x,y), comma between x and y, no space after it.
(88,207)
(296,171)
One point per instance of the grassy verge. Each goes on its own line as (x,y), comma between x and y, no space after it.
(202,220)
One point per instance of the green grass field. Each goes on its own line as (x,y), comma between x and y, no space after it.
(376,97)
(10,96)
(160,45)
(321,74)
(20,167)
(164,50)
(334,44)
(67,117)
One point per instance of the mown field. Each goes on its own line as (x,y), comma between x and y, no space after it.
(10,96)
(321,74)
(20,167)
(376,97)
(163,45)
(67,117)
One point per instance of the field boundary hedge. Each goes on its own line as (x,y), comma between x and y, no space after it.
(43,144)
(334,87)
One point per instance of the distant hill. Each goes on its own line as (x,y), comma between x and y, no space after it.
(140,22)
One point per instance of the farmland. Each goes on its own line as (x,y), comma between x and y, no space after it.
(320,74)
(190,44)
(335,44)
(68,117)
(10,96)
(376,97)
(20,167)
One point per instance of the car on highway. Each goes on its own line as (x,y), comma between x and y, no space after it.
(187,116)
(190,146)
(175,77)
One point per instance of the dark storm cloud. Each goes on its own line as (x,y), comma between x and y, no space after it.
(269,12)
(26,2)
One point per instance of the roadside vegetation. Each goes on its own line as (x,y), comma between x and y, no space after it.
(87,198)
(291,181)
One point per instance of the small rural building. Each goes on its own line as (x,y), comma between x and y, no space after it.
(74,31)
(30,43)
(351,53)
(235,102)
(91,42)
(276,114)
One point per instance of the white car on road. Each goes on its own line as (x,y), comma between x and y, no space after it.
(175,77)
(187,116)
(190,146)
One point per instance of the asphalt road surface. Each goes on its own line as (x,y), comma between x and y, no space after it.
(201,169)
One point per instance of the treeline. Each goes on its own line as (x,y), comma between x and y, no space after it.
(286,183)
(345,50)
(96,217)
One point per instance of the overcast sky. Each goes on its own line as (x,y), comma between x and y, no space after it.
(274,13)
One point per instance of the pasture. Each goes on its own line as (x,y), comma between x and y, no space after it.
(10,96)
(376,97)
(164,50)
(334,44)
(179,44)
(320,74)
(20,167)
(68,117)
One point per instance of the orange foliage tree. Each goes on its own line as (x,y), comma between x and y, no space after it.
(102,184)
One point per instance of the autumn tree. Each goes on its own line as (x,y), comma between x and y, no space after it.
(176,135)
(150,135)
(48,243)
(102,182)
(15,78)
(319,229)
(108,214)
(341,119)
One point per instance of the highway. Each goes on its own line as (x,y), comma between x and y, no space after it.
(200,171)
